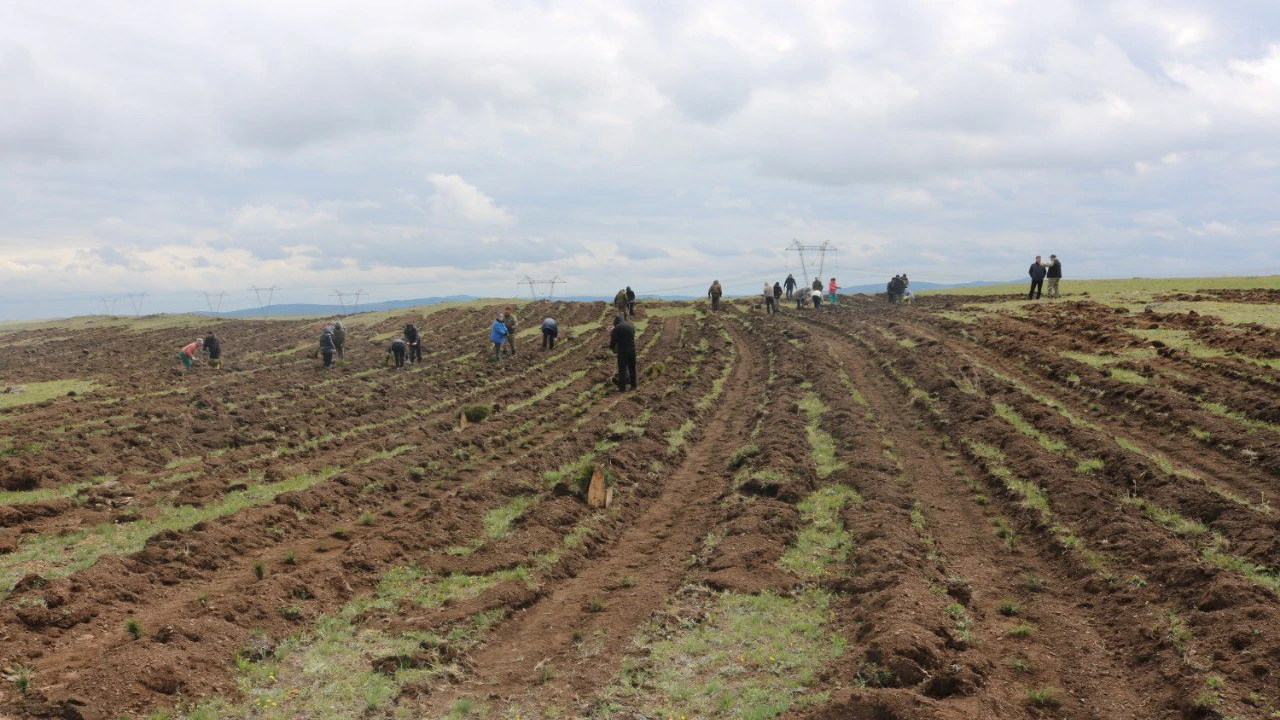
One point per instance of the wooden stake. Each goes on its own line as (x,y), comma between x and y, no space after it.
(597,496)
(462,420)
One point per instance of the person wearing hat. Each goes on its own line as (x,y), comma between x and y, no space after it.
(498,336)
(623,342)
(1054,276)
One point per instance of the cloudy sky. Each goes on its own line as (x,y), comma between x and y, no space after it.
(428,148)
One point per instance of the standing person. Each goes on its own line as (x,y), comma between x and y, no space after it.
(498,336)
(188,353)
(790,285)
(777,296)
(1037,272)
(550,329)
(832,289)
(893,289)
(327,346)
(510,322)
(214,349)
(396,351)
(770,302)
(714,292)
(620,302)
(339,337)
(413,339)
(1054,275)
(623,342)
(817,285)
(631,301)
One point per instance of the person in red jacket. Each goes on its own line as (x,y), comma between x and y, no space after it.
(188,353)
(832,288)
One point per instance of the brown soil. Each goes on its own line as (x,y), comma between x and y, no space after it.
(942,548)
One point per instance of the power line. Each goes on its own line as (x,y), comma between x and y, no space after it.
(109,305)
(533,285)
(822,251)
(257,293)
(136,302)
(208,298)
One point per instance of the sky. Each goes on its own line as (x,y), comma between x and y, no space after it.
(415,149)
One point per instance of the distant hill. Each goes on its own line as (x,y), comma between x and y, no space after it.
(318,309)
(920,286)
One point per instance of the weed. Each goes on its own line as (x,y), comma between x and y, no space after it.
(366,519)
(1090,466)
(1033,582)
(595,605)
(1021,630)
(291,558)
(341,534)
(461,708)
(291,612)
(1019,664)
(1043,697)
(676,438)
(1005,532)
(203,598)
(742,455)
(1009,608)
(476,413)
(547,675)
(21,678)
(133,627)
(259,570)
(627,581)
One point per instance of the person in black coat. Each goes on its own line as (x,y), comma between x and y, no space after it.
(1037,272)
(623,342)
(397,351)
(777,294)
(631,301)
(1054,275)
(327,346)
(790,285)
(214,349)
(414,340)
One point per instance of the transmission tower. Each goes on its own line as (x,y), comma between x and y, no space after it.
(342,299)
(136,302)
(257,293)
(822,251)
(109,305)
(534,284)
(208,299)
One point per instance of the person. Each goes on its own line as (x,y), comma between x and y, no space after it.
(817,285)
(510,322)
(188,353)
(894,289)
(1037,272)
(816,297)
(906,296)
(339,337)
(550,329)
(413,339)
(777,296)
(1054,275)
(770,307)
(327,346)
(631,301)
(714,293)
(623,342)
(396,351)
(832,288)
(790,285)
(802,297)
(498,336)
(214,350)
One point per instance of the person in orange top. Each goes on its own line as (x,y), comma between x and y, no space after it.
(831,292)
(188,353)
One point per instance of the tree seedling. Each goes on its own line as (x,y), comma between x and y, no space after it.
(259,570)
(133,626)
(366,519)
(291,558)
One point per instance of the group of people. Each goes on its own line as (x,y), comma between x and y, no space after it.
(1039,272)
(625,302)
(408,345)
(773,294)
(899,290)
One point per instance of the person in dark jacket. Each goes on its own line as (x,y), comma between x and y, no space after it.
(631,301)
(895,289)
(623,342)
(714,292)
(1037,272)
(510,321)
(550,330)
(214,350)
(339,337)
(327,346)
(790,285)
(817,285)
(777,295)
(1054,275)
(413,339)
(498,336)
(397,351)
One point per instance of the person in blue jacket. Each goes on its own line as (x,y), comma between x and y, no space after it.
(1037,272)
(498,336)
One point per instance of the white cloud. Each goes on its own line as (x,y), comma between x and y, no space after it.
(456,199)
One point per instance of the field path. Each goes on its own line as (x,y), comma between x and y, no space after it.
(562,650)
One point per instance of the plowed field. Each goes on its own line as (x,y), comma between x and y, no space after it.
(948,510)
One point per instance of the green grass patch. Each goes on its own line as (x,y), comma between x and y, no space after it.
(41,391)
(676,438)
(823,541)
(497,522)
(751,656)
(1026,428)
(821,445)
(22,497)
(1128,376)
(546,392)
